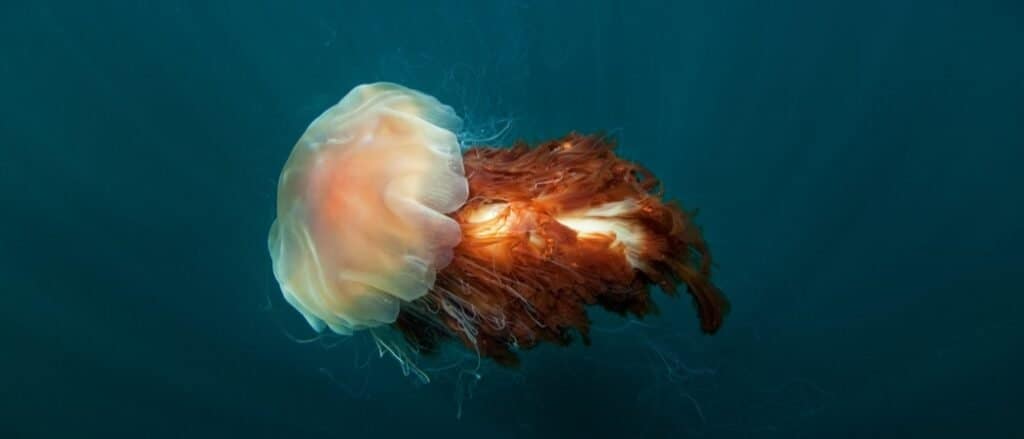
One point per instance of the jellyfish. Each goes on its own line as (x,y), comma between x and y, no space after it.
(386,224)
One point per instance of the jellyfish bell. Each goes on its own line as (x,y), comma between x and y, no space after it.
(361,204)
(385,224)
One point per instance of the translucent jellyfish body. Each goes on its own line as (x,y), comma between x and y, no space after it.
(361,223)
(384,221)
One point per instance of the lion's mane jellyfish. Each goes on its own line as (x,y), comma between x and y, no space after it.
(385,223)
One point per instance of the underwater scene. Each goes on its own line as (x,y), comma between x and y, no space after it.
(512,219)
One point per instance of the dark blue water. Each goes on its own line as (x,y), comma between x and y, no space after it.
(856,165)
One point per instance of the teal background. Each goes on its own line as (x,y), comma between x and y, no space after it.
(857,166)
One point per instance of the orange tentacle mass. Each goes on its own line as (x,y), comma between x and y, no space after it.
(548,231)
